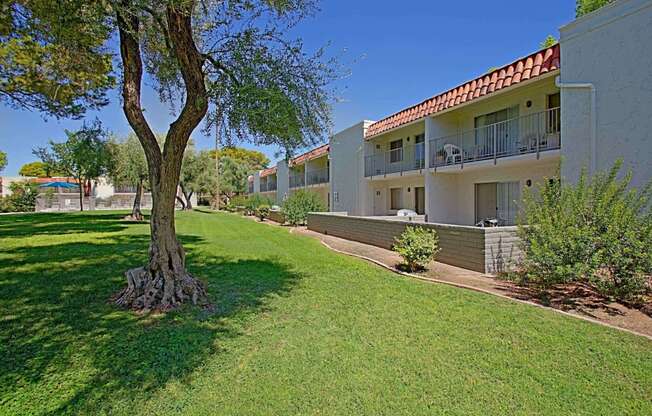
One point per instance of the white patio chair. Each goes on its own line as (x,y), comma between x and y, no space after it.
(453,153)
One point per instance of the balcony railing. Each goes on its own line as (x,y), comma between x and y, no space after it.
(533,133)
(297,180)
(267,186)
(318,176)
(405,159)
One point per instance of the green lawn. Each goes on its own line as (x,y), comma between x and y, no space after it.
(297,329)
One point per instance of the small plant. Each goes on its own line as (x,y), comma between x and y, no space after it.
(263,212)
(418,247)
(299,204)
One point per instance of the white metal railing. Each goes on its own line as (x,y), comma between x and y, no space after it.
(532,133)
(297,180)
(317,176)
(268,186)
(404,159)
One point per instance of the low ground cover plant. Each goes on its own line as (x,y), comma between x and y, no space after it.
(296,208)
(596,231)
(262,212)
(418,246)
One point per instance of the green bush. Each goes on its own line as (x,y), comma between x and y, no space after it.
(597,231)
(249,203)
(418,247)
(22,199)
(296,208)
(262,211)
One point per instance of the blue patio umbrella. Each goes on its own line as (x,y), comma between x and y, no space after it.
(66,185)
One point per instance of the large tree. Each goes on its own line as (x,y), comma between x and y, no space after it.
(3,160)
(37,169)
(129,167)
(84,155)
(232,56)
(587,6)
(197,175)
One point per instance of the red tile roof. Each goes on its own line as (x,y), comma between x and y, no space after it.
(267,172)
(532,66)
(54,179)
(310,155)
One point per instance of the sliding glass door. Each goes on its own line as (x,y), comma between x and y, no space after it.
(497,201)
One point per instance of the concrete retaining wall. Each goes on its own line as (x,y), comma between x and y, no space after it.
(277,216)
(486,250)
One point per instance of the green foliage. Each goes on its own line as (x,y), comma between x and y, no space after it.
(297,206)
(262,211)
(197,174)
(52,56)
(548,42)
(597,231)
(3,160)
(587,6)
(254,159)
(128,163)
(22,199)
(254,201)
(418,246)
(34,169)
(84,155)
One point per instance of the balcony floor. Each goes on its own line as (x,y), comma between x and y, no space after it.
(515,160)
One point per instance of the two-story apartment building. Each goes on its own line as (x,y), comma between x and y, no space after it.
(309,170)
(465,156)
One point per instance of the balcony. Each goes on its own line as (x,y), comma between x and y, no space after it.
(533,133)
(405,159)
(297,180)
(267,186)
(318,176)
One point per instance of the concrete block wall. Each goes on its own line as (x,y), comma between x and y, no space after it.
(486,250)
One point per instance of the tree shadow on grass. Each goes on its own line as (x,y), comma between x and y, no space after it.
(17,226)
(66,349)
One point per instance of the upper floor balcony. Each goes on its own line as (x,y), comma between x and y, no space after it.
(318,176)
(297,180)
(397,160)
(532,133)
(268,186)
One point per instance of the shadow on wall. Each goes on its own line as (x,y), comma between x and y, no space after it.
(57,325)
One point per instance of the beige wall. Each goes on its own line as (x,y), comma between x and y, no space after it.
(379,194)
(452,196)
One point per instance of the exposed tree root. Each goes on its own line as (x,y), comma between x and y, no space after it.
(147,292)
(132,217)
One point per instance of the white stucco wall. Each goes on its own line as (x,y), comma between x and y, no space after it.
(256,182)
(452,196)
(379,195)
(103,188)
(349,189)
(610,49)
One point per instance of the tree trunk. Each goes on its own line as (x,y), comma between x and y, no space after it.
(136,213)
(187,196)
(181,201)
(164,283)
(81,194)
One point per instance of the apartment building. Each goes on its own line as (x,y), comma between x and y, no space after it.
(465,156)
(309,170)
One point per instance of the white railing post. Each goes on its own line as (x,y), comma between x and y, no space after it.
(495,135)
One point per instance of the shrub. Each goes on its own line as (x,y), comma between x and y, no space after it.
(22,199)
(418,246)
(296,208)
(263,211)
(598,231)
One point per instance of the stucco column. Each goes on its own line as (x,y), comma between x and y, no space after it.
(429,178)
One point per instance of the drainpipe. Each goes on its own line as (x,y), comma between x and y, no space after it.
(594,122)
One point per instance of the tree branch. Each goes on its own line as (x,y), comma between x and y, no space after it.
(190,64)
(222,68)
(133,72)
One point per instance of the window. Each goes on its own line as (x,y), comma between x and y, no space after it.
(396,198)
(396,151)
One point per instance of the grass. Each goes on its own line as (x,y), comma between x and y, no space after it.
(297,330)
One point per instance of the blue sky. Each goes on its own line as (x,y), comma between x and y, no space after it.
(398,52)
